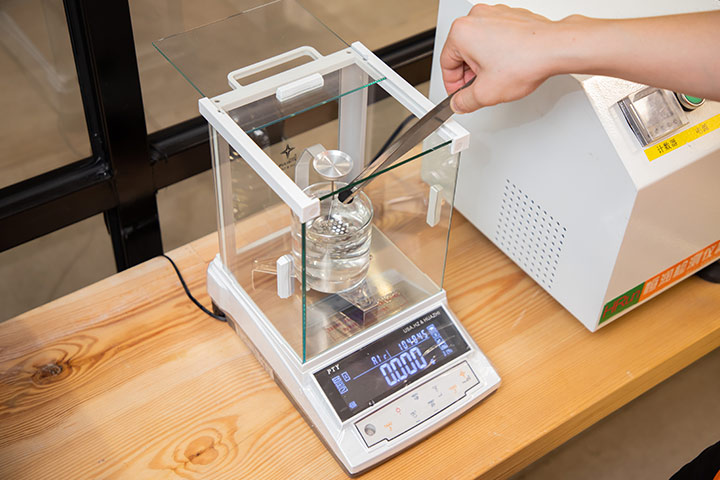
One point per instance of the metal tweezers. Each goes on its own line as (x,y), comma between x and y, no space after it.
(414,135)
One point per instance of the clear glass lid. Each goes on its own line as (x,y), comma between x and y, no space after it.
(205,55)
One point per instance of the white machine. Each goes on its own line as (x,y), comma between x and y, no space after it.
(342,304)
(604,191)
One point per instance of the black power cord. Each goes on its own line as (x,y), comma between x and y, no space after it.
(221,318)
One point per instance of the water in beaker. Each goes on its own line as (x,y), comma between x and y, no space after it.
(337,242)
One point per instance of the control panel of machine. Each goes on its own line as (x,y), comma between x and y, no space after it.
(418,405)
(381,368)
(652,114)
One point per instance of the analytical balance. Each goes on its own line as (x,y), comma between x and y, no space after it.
(341,303)
(603,191)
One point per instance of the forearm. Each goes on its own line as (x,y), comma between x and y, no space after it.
(678,52)
(512,51)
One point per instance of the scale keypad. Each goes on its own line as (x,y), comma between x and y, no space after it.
(418,405)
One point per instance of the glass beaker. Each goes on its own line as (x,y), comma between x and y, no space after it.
(337,242)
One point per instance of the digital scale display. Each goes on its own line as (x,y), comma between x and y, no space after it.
(384,366)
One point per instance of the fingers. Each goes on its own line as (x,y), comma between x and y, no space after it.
(458,66)
(466,100)
(506,48)
(453,86)
(459,74)
(456,62)
(453,67)
(456,72)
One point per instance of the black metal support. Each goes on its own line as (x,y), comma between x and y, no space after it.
(54,200)
(104,51)
(179,152)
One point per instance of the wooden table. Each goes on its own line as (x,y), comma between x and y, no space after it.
(127,379)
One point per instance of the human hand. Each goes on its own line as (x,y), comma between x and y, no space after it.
(512,51)
(509,50)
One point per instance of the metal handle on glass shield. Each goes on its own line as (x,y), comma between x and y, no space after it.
(414,135)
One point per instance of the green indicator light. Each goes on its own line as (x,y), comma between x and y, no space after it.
(693,100)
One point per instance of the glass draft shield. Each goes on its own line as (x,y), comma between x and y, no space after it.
(289,130)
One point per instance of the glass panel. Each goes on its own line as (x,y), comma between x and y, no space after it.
(42,125)
(357,264)
(242,40)
(405,261)
(269,111)
(256,239)
(400,259)
(169,99)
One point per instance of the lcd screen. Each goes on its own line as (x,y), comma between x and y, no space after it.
(384,366)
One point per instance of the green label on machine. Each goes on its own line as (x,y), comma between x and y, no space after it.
(617,305)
